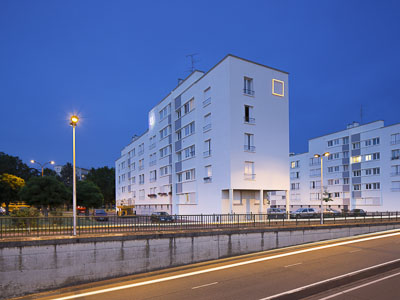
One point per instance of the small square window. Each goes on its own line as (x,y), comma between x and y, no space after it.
(278,87)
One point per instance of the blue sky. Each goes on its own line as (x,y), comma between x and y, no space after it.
(112,61)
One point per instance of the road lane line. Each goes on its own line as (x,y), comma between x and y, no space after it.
(132,285)
(360,286)
(288,266)
(200,286)
(354,251)
(327,280)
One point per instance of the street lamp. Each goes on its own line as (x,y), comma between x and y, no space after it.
(42,165)
(73,123)
(322,185)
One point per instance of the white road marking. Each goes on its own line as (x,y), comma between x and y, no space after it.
(200,286)
(360,286)
(288,266)
(117,288)
(354,251)
(327,280)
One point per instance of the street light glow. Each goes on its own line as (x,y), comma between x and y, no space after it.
(74,120)
(32,161)
(52,162)
(326,154)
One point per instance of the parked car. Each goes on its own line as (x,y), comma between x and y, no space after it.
(276,213)
(357,212)
(100,215)
(330,212)
(161,216)
(304,213)
(2,211)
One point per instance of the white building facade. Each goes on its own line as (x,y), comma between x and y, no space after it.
(218,143)
(361,171)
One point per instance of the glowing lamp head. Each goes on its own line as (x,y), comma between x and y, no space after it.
(52,162)
(316,155)
(32,161)
(326,154)
(74,120)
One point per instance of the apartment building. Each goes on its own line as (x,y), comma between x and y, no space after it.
(218,143)
(361,171)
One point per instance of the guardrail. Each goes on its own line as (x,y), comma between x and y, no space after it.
(41,226)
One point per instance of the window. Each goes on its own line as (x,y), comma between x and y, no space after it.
(141,179)
(395,139)
(141,194)
(141,164)
(295,164)
(153,175)
(165,170)
(345,180)
(133,180)
(336,142)
(330,181)
(373,186)
(165,111)
(189,152)
(207,174)
(345,168)
(187,130)
(207,148)
(368,157)
(207,97)
(345,154)
(371,142)
(153,159)
(295,186)
(357,173)
(141,149)
(330,143)
(315,172)
(396,154)
(395,186)
(345,140)
(315,185)
(294,175)
(330,169)
(356,145)
(186,175)
(337,181)
(179,135)
(207,122)
(249,170)
(355,159)
(248,115)
(249,142)
(357,187)
(337,194)
(248,86)
(315,161)
(395,170)
(336,168)
(165,132)
(152,142)
(165,151)
(376,156)
(178,113)
(188,106)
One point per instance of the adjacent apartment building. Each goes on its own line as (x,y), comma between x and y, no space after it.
(361,171)
(218,143)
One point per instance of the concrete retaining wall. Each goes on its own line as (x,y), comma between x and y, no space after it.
(32,266)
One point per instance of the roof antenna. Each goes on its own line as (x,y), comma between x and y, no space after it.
(192,60)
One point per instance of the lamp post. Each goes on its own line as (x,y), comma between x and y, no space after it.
(73,123)
(321,156)
(42,165)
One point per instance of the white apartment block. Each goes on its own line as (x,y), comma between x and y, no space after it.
(218,143)
(361,171)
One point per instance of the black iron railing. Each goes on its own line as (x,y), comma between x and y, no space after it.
(11,227)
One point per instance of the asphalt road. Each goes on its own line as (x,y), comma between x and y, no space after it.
(264,275)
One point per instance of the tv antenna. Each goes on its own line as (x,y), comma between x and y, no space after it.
(192,60)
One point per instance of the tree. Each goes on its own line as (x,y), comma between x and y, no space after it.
(67,174)
(44,192)
(88,195)
(49,172)
(14,165)
(326,197)
(10,186)
(104,178)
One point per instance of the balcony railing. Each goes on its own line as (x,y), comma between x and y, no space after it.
(395,157)
(248,92)
(249,176)
(249,120)
(207,153)
(207,179)
(207,127)
(249,148)
(206,102)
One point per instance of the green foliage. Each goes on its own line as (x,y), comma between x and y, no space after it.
(10,186)
(104,178)
(67,174)
(25,217)
(44,191)
(49,172)
(88,195)
(326,197)
(14,165)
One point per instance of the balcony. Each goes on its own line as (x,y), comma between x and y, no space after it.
(207,179)
(207,153)
(248,120)
(248,92)
(249,176)
(207,102)
(152,195)
(249,148)
(207,127)
(152,163)
(153,179)
(141,168)
(395,157)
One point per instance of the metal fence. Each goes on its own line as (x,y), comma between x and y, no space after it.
(11,227)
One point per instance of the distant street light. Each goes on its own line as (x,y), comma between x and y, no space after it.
(42,165)
(73,123)
(322,185)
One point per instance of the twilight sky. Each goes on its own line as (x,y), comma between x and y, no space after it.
(112,61)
